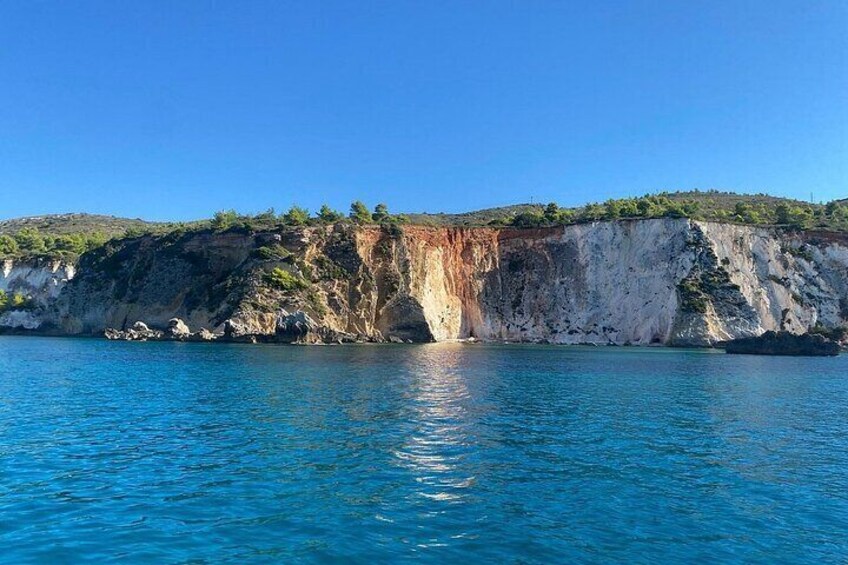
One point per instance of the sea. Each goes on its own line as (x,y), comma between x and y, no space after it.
(438,453)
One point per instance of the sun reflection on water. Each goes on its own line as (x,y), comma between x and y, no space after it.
(440,439)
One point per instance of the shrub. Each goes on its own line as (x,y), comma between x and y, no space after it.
(529,220)
(8,246)
(327,215)
(224,220)
(284,280)
(14,301)
(296,216)
(359,213)
(276,252)
(381,213)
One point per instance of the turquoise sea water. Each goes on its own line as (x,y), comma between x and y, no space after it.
(191,453)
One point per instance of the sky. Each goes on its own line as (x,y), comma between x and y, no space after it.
(172,110)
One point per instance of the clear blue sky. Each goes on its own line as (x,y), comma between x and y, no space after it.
(172,110)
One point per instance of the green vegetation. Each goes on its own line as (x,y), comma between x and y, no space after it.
(63,224)
(381,213)
(14,301)
(836,334)
(224,220)
(272,253)
(693,297)
(710,205)
(284,280)
(296,216)
(329,216)
(359,213)
(329,270)
(68,236)
(30,242)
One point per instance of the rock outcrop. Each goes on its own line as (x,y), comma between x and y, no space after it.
(640,282)
(138,332)
(40,281)
(784,343)
(177,330)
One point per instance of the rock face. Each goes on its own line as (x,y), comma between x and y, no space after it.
(639,282)
(41,281)
(784,343)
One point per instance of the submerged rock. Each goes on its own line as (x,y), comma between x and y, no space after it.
(784,343)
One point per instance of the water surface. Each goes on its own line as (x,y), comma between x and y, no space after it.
(168,452)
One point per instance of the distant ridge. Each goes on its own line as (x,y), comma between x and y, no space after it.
(63,224)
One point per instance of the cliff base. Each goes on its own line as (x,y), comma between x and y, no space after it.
(784,343)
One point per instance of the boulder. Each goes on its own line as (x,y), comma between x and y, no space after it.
(112,333)
(296,327)
(139,331)
(139,327)
(236,330)
(202,335)
(177,329)
(783,343)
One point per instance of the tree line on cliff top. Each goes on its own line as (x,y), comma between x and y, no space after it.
(297,216)
(55,241)
(760,210)
(30,242)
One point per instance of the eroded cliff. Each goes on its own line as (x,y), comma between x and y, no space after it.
(640,282)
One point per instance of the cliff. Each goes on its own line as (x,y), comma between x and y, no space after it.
(640,282)
(40,281)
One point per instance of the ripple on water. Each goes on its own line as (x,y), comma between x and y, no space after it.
(170,452)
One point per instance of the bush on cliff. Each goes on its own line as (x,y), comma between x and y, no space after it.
(839,334)
(327,215)
(14,301)
(359,213)
(296,216)
(8,246)
(275,253)
(224,220)
(284,280)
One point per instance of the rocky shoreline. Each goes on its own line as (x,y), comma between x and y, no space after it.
(292,328)
(784,343)
(299,329)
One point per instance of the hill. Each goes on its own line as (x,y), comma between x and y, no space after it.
(65,224)
(488,216)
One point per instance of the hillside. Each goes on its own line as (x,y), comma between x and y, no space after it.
(64,224)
